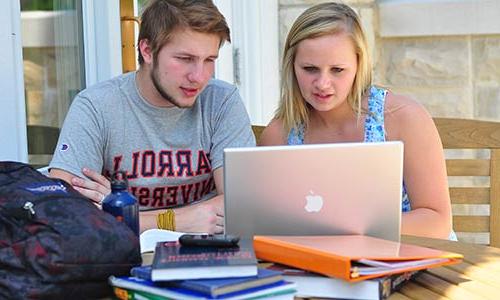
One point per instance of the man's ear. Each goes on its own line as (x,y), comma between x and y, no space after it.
(146,51)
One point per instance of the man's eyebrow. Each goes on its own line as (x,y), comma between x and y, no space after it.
(185,53)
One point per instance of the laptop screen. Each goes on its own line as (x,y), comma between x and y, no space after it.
(342,188)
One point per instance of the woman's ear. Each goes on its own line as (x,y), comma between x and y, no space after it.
(146,51)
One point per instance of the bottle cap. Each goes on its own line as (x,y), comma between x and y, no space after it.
(119,180)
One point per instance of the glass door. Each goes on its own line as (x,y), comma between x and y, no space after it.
(53,65)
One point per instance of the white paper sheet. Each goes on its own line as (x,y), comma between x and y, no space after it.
(150,237)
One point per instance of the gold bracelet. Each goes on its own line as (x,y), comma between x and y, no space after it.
(166,220)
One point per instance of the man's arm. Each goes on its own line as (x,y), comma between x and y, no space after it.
(206,216)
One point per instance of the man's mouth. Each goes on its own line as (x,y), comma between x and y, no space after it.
(189,92)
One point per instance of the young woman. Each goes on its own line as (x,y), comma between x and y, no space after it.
(327,96)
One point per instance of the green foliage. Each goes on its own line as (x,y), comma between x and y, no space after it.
(27,5)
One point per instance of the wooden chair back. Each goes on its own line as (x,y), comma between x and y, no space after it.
(462,134)
(474,134)
(257,130)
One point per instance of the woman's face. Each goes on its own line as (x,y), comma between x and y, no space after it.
(325,68)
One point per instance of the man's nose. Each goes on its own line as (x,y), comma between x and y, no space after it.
(196,73)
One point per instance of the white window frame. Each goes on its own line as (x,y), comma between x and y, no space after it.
(13,136)
(102,56)
(224,63)
(102,47)
(252,60)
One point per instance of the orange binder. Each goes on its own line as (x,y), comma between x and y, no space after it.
(350,257)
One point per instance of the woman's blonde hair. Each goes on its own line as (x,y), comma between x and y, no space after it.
(320,20)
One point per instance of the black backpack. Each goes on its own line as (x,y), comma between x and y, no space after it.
(55,243)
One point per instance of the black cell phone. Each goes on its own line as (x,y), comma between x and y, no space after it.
(209,240)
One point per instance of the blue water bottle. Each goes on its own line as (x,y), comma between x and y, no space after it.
(121,204)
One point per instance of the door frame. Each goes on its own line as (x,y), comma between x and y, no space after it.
(13,136)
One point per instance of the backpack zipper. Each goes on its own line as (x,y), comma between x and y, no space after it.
(29,207)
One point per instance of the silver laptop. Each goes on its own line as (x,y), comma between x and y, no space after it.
(323,189)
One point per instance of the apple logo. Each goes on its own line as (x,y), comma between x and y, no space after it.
(314,203)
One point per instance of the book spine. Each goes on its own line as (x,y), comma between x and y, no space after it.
(393,283)
(142,272)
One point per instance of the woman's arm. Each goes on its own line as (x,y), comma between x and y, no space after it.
(424,168)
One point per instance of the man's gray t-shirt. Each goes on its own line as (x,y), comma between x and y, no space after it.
(169,154)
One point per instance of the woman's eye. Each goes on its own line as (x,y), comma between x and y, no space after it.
(337,70)
(310,69)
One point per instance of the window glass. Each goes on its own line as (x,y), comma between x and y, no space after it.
(53,69)
(141,3)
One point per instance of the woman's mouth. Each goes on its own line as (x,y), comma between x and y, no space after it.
(321,96)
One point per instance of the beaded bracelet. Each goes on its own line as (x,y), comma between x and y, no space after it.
(166,220)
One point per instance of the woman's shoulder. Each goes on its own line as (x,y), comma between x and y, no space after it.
(273,134)
(403,115)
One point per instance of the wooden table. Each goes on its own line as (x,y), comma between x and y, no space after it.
(477,277)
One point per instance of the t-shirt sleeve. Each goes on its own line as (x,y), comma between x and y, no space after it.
(232,128)
(82,139)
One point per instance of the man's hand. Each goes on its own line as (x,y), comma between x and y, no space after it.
(96,187)
(207,216)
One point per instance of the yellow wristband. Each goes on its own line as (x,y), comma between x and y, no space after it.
(166,220)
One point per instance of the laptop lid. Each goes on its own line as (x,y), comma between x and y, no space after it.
(321,189)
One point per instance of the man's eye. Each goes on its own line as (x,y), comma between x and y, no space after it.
(185,58)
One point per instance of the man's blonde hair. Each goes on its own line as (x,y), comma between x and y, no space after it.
(161,18)
(320,20)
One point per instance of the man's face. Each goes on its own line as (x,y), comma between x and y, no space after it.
(184,66)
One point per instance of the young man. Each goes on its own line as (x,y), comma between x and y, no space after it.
(166,125)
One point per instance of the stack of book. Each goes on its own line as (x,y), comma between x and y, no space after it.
(180,272)
(347,267)
(315,285)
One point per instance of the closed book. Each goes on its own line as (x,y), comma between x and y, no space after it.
(315,285)
(132,285)
(217,286)
(350,257)
(126,294)
(172,261)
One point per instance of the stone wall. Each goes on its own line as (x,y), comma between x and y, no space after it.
(453,75)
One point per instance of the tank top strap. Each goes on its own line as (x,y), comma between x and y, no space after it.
(374,123)
(296,135)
